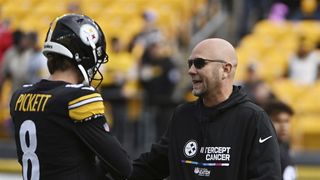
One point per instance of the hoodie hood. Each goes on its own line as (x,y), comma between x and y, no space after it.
(237,96)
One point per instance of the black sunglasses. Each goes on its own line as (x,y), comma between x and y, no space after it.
(200,62)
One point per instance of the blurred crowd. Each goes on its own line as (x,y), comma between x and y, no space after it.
(21,62)
(275,10)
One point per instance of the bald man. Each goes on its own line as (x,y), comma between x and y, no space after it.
(221,135)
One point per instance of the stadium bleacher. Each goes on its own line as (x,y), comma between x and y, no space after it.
(259,47)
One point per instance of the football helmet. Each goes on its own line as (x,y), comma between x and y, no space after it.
(79,38)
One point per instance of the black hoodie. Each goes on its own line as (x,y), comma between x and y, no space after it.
(234,140)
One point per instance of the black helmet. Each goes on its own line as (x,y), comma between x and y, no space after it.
(81,39)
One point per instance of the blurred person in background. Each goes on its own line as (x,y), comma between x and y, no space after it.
(308,10)
(250,79)
(281,115)
(261,93)
(158,76)
(252,12)
(303,67)
(16,61)
(23,63)
(293,6)
(256,88)
(278,12)
(5,37)
(149,32)
(74,7)
(115,90)
(38,62)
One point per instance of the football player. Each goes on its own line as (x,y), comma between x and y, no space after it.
(60,128)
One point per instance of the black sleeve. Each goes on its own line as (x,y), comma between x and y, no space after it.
(153,165)
(105,146)
(264,159)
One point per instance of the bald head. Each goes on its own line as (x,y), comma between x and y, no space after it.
(215,48)
(212,66)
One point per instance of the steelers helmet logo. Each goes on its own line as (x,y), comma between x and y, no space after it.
(190,149)
(88,33)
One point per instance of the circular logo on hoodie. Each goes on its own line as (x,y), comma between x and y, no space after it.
(190,149)
(88,33)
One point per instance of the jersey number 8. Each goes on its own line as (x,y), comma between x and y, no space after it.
(28,130)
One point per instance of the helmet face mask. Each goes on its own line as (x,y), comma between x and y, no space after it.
(81,40)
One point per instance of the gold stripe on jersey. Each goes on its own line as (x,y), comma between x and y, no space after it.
(83,98)
(86,111)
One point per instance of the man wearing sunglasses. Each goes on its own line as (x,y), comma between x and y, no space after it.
(221,135)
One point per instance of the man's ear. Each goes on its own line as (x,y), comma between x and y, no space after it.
(227,68)
(224,72)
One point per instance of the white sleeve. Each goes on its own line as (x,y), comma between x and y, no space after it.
(289,173)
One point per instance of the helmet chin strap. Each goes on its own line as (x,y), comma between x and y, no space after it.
(85,75)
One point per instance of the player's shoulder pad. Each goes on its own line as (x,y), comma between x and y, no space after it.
(86,103)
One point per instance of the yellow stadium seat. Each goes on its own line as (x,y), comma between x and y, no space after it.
(306,132)
(3,2)
(39,23)
(309,29)
(288,44)
(93,9)
(112,28)
(4,108)
(245,57)
(309,101)
(273,65)
(129,7)
(252,46)
(270,45)
(15,12)
(115,12)
(103,2)
(183,9)
(46,10)
(271,28)
(308,172)
(288,91)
